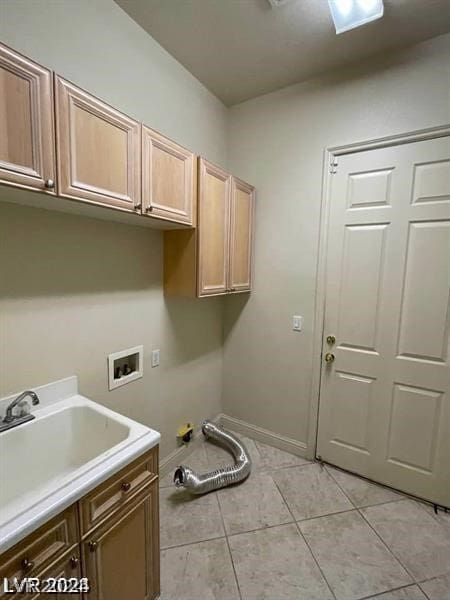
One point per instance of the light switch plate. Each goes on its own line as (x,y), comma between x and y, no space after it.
(155,358)
(297,323)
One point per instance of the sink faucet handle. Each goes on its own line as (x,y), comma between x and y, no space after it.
(34,398)
(24,408)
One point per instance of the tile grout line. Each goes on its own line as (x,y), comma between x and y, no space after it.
(229,549)
(230,535)
(423,591)
(307,545)
(422,581)
(219,537)
(332,514)
(386,545)
(403,587)
(359,511)
(353,503)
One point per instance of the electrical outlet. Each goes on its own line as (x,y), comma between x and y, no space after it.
(155,358)
(297,323)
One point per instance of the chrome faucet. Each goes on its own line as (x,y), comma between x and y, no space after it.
(11,420)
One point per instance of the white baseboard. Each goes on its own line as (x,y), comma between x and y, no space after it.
(265,436)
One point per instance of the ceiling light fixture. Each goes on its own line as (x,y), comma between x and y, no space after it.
(348,14)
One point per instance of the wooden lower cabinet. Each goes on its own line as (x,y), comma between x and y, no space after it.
(67,568)
(121,559)
(110,536)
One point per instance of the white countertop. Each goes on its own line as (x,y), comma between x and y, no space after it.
(46,467)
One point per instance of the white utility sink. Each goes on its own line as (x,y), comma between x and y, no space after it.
(48,463)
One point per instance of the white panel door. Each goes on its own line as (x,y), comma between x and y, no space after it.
(385,398)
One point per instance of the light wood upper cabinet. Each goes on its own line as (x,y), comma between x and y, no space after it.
(27,156)
(216,258)
(169,179)
(98,150)
(241,236)
(121,559)
(61,140)
(213,233)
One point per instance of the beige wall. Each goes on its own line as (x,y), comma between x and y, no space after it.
(74,289)
(277,142)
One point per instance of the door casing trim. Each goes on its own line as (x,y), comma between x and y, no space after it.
(330,153)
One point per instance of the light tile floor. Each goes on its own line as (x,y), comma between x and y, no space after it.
(298,531)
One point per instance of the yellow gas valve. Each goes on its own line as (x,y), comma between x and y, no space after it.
(185,432)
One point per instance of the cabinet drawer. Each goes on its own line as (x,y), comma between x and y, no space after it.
(67,569)
(41,548)
(119,489)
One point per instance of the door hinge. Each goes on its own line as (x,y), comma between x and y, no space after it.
(437,508)
(333,165)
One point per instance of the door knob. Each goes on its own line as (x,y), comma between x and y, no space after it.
(93,546)
(329,358)
(27,565)
(74,562)
(49,184)
(331,339)
(126,486)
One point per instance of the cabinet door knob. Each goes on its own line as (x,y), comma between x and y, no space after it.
(93,546)
(27,565)
(138,206)
(49,184)
(329,358)
(149,209)
(331,339)
(126,486)
(74,561)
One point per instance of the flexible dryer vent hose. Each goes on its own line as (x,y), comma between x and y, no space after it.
(200,484)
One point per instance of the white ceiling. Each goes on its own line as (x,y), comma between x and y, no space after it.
(240,49)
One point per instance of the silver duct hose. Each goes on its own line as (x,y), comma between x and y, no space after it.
(200,484)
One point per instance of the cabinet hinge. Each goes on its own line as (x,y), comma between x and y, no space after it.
(333,165)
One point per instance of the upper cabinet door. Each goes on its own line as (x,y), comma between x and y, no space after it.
(213,229)
(98,150)
(27,156)
(241,236)
(169,182)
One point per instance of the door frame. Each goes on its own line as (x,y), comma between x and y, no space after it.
(330,158)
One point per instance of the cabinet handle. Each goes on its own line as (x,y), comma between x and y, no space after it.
(329,358)
(27,565)
(93,546)
(126,486)
(49,184)
(331,339)
(232,289)
(138,206)
(149,209)
(74,562)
